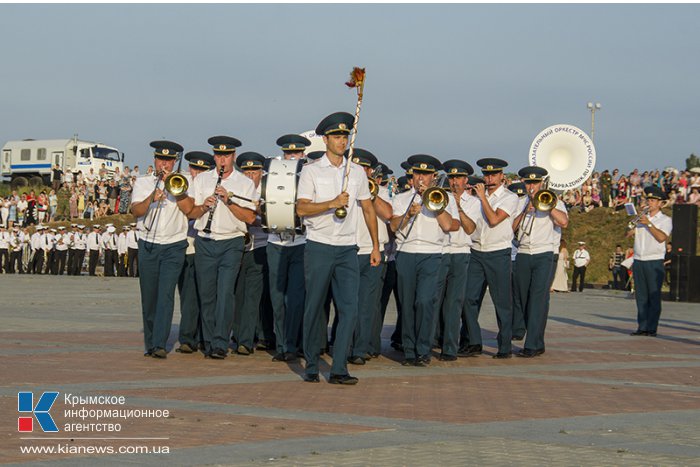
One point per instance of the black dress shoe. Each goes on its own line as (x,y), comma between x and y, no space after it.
(470,351)
(447,358)
(280,357)
(397,346)
(290,357)
(517,338)
(373,354)
(423,360)
(528,353)
(500,355)
(159,353)
(639,332)
(243,350)
(148,353)
(651,333)
(408,362)
(311,378)
(342,379)
(184,348)
(218,354)
(356,360)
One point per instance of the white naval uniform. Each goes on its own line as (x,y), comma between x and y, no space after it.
(426,235)
(170,225)
(646,247)
(486,238)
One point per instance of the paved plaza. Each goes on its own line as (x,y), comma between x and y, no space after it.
(596,397)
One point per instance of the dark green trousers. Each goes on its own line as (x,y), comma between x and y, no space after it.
(531,278)
(217,263)
(367,306)
(648,278)
(490,269)
(286,270)
(334,267)
(249,290)
(190,332)
(161,266)
(453,301)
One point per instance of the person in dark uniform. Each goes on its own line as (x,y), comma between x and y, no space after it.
(190,332)
(371,277)
(285,260)
(132,251)
(650,235)
(421,235)
(162,221)
(330,256)
(252,276)
(109,247)
(490,263)
(519,328)
(533,264)
(80,245)
(71,248)
(220,220)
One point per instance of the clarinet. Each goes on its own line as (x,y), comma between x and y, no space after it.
(207,228)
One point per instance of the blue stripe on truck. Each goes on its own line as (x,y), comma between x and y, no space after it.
(30,166)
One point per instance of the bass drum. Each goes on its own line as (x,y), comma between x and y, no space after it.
(279,190)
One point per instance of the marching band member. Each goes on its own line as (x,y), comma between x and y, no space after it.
(162,248)
(285,261)
(71,248)
(51,239)
(490,262)
(519,328)
(371,277)
(109,247)
(132,246)
(220,221)
(121,251)
(533,264)
(80,244)
(253,274)
(420,239)
(62,240)
(650,235)
(458,255)
(93,246)
(330,256)
(4,249)
(37,261)
(190,331)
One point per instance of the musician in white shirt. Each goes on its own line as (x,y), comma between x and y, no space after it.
(533,264)
(650,236)
(371,277)
(421,236)
(330,255)
(221,221)
(490,263)
(285,260)
(162,220)
(93,246)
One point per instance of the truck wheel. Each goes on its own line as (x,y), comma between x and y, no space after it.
(36,181)
(19,182)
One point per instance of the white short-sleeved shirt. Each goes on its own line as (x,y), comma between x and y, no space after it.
(321,181)
(542,236)
(460,241)
(646,247)
(364,241)
(581,257)
(258,237)
(170,225)
(224,225)
(486,238)
(426,234)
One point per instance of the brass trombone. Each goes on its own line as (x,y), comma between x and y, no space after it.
(175,183)
(544,201)
(435,200)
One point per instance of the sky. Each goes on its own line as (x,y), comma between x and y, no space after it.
(454,81)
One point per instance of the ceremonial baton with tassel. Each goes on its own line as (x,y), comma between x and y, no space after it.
(357,80)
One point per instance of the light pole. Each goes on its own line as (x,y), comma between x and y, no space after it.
(593,107)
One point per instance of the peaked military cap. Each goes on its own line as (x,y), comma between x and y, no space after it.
(424,163)
(224,144)
(293,143)
(166,149)
(518,188)
(654,192)
(363,157)
(491,165)
(474,180)
(96,226)
(200,160)
(313,155)
(532,173)
(456,167)
(81,226)
(339,123)
(385,169)
(403,184)
(250,161)
(60,227)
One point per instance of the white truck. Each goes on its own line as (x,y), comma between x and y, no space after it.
(31,161)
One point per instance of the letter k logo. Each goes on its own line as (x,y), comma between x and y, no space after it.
(25,403)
